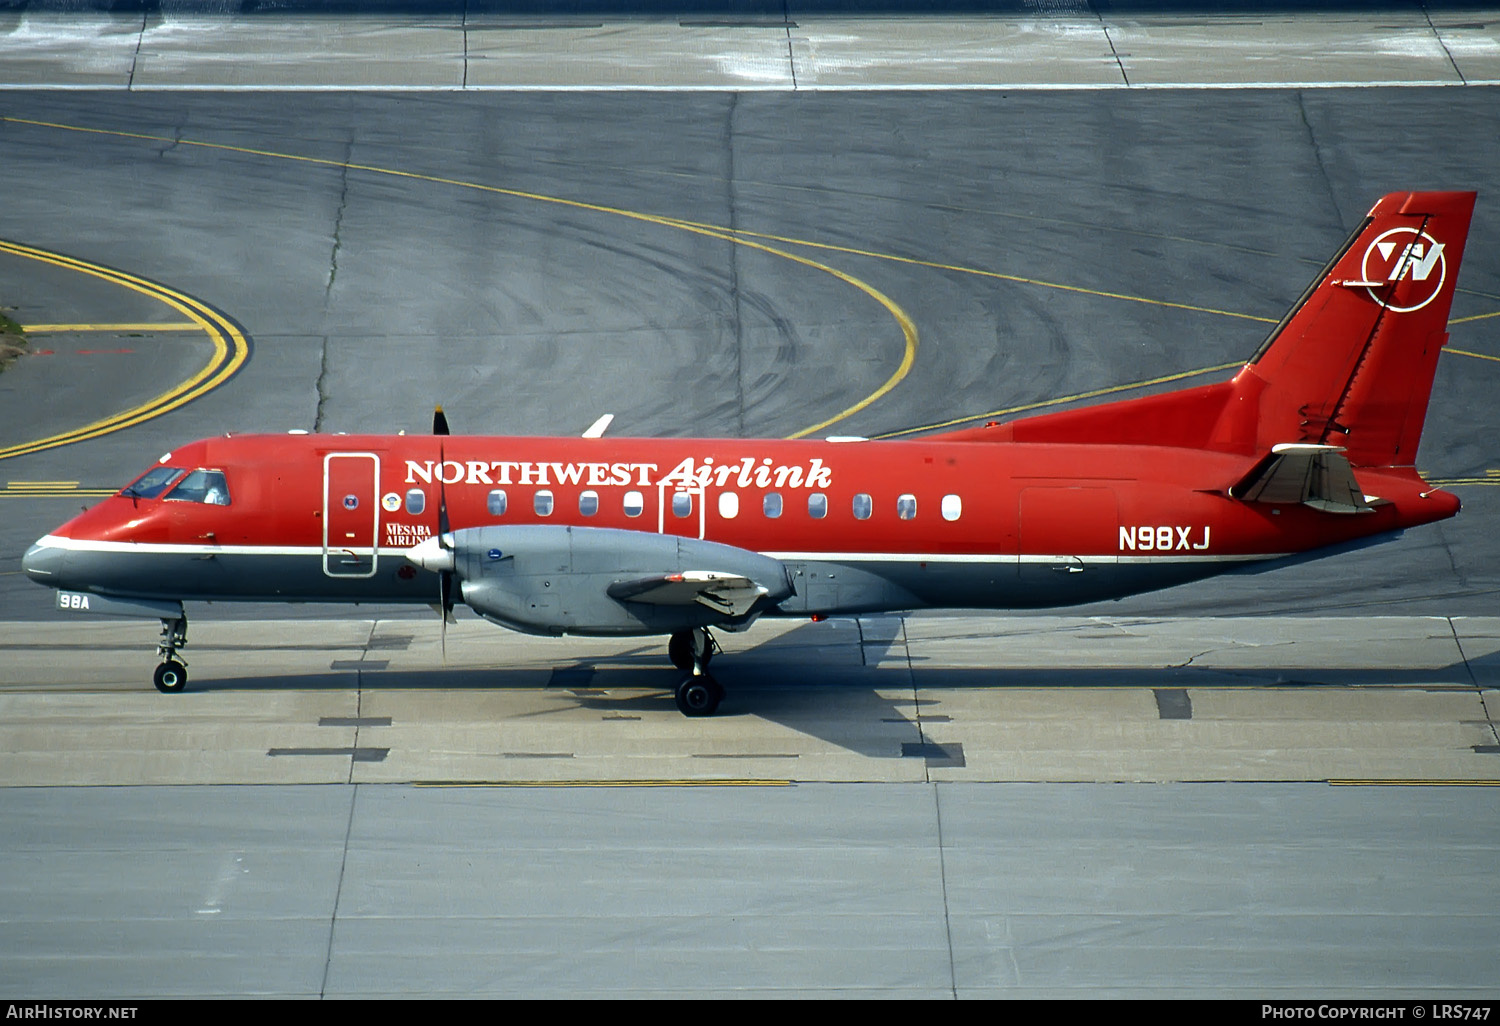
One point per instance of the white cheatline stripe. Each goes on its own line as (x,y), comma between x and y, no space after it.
(160,548)
(993,557)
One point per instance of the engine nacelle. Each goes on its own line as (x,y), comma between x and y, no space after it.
(545,579)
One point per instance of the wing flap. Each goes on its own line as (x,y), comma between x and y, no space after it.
(1314,475)
(730,594)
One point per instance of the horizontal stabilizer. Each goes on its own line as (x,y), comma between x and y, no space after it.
(730,594)
(1314,475)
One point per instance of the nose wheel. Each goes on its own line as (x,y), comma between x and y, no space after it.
(698,694)
(171,676)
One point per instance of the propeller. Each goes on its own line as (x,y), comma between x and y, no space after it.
(444,540)
(436,553)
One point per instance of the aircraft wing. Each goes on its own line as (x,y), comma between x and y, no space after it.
(731,594)
(1314,475)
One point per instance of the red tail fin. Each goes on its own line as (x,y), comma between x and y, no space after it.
(1351,365)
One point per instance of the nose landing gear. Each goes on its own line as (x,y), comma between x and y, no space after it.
(171,676)
(697,694)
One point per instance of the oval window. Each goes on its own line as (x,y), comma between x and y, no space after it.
(416,501)
(682,504)
(863,506)
(771,504)
(953,507)
(635,504)
(817,505)
(496,503)
(588,503)
(729,505)
(906,507)
(542,503)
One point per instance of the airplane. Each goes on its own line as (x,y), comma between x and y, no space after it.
(1308,450)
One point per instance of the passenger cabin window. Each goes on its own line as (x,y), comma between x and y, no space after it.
(588,503)
(953,507)
(542,503)
(771,505)
(863,506)
(152,483)
(682,504)
(206,486)
(497,502)
(729,505)
(416,501)
(906,507)
(635,504)
(817,505)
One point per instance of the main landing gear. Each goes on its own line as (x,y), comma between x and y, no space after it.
(171,675)
(698,694)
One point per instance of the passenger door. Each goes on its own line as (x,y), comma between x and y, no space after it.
(351,513)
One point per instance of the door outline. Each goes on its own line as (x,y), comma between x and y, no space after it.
(356,551)
(700,499)
(1041,512)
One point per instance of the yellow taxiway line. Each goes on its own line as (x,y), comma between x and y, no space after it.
(231,350)
(759,241)
(51,490)
(687,782)
(907,326)
(59,329)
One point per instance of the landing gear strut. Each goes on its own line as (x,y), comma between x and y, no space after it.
(698,694)
(171,675)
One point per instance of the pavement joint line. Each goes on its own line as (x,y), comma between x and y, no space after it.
(1374,782)
(751,87)
(1458,642)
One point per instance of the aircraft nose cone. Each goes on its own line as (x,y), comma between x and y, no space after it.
(43,563)
(430,555)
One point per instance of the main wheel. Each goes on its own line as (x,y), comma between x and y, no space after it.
(170,677)
(699,696)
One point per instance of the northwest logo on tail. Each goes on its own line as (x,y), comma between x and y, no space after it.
(1408,266)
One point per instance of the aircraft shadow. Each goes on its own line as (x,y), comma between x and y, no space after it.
(875,711)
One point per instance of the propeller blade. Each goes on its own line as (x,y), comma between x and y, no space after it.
(445,611)
(444,527)
(439,421)
(444,540)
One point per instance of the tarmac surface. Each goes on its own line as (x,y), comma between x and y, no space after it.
(1262,785)
(743,46)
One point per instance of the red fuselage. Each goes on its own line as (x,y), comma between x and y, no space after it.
(951,523)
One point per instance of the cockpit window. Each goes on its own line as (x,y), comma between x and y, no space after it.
(206,486)
(152,483)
